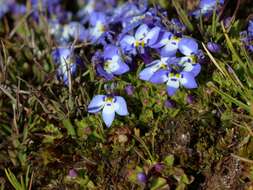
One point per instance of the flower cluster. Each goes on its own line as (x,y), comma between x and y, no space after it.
(247,36)
(127,32)
(206,7)
(11,6)
(121,33)
(169,56)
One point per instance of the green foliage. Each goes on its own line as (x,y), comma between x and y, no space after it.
(23,183)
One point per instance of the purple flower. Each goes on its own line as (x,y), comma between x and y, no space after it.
(129,10)
(91,6)
(18,9)
(189,48)
(72,173)
(154,66)
(190,99)
(167,44)
(206,7)
(74,30)
(99,24)
(227,22)
(50,8)
(109,105)
(113,63)
(250,28)
(141,177)
(129,90)
(158,167)
(149,17)
(169,104)
(174,80)
(247,37)
(177,25)
(144,37)
(214,47)
(46,4)
(5,6)
(66,63)
(55,29)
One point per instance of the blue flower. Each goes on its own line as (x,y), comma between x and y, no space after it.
(5,7)
(141,177)
(214,47)
(47,4)
(250,28)
(143,37)
(18,9)
(49,8)
(91,6)
(66,63)
(174,80)
(177,26)
(74,30)
(109,105)
(55,29)
(129,89)
(129,10)
(189,48)
(87,9)
(167,44)
(149,17)
(99,23)
(113,63)
(206,7)
(154,66)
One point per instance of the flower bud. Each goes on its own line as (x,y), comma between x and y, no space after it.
(141,177)
(213,47)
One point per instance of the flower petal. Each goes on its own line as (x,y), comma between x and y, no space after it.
(101,72)
(170,49)
(120,106)
(159,77)
(196,69)
(141,32)
(108,114)
(162,42)
(123,68)
(188,46)
(188,80)
(147,73)
(97,17)
(153,35)
(127,43)
(189,65)
(96,104)
(171,90)
(110,51)
(153,63)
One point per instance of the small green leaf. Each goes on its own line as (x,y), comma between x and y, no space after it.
(158,183)
(70,128)
(169,160)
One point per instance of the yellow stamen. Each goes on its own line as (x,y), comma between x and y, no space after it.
(109,99)
(139,43)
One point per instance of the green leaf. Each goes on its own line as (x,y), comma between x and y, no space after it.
(169,160)
(70,128)
(158,183)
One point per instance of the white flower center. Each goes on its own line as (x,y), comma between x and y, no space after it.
(111,65)
(98,30)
